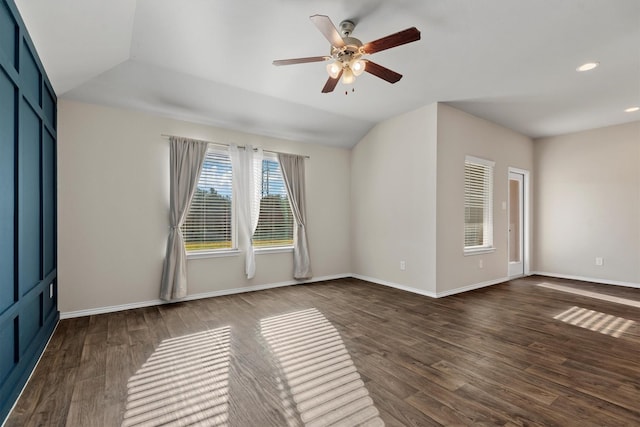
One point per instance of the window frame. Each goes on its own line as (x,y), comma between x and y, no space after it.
(488,208)
(268,156)
(221,252)
(234,250)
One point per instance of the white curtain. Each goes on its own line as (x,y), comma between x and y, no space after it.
(247,187)
(185,164)
(292,167)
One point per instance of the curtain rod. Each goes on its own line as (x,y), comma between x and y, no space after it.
(226,145)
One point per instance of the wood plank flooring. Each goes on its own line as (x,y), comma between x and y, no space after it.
(351,353)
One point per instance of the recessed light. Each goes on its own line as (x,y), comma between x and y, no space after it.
(587,66)
(632,109)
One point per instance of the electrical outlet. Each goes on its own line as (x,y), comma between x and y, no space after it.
(480,264)
(599,261)
(403,265)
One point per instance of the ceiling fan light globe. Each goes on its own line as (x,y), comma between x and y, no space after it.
(358,67)
(334,70)
(347,76)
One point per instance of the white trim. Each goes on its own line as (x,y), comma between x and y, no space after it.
(31,374)
(528,213)
(141,304)
(588,279)
(430,293)
(212,254)
(396,286)
(518,170)
(110,309)
(479,161)
(479,251)
(272,249)
(235,252)
(472,287)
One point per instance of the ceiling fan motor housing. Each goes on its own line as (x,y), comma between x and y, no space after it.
(352,50)
(346,54)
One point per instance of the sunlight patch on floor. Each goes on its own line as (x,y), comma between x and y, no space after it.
(319,375)
(184,382)
(595,321)
(591,294)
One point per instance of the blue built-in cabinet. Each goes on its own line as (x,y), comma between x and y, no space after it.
(28,288)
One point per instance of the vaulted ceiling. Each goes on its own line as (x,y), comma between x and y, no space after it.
(209,61)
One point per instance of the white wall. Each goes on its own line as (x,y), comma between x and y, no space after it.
(113,187)
(393,184)
(461,134)
(587,192)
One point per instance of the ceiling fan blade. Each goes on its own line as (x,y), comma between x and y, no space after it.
(326,27)
(330,85)
(300,60)
(401,37)
(382,72)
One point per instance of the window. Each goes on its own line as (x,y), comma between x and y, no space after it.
(275,223)
(208,225)
(478,204)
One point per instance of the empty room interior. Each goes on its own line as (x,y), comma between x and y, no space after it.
(285,213)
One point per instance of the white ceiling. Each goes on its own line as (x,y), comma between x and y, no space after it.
(209,61)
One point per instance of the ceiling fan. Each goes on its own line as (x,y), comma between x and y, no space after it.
(347,53)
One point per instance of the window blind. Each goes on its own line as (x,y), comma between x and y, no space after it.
(275,223)
(478,203)
(208,225)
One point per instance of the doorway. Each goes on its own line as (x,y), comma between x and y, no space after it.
(517,223)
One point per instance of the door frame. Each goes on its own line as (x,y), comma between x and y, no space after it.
(526,214)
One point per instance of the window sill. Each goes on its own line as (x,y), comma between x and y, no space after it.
(213,254)
(236,252)
(479,251)
(274,250)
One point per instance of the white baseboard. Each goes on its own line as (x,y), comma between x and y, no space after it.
(587,279)
(472,287)
(109,309)
(396,285)
(141,304)
(432,294)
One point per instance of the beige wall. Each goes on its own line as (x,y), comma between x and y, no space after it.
(407,186)
(587,193)
(113,187)
(397,196)
(393,184)
(461,134)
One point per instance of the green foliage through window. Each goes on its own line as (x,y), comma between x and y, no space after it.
(275,224)
(208,224)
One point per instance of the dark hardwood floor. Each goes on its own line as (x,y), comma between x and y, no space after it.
(351,353)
